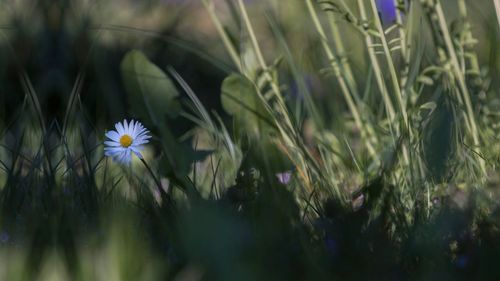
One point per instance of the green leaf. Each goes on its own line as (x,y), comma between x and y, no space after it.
(426,80)
(179,156)
(151,94)
(241,100)
(439,141)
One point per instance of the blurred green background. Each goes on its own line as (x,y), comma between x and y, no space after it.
(269,173)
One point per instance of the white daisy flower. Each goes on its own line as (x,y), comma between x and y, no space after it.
(128,138)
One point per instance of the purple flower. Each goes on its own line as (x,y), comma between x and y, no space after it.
(285,177)
(332,246)
(462,261)
(387,11)
(4,237)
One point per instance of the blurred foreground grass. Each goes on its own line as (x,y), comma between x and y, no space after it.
(297,140)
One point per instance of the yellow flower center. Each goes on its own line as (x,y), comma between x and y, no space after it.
(126,140)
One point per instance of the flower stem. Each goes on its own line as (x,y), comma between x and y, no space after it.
(497,10)
(163,194)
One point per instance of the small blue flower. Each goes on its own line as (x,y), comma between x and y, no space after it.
(285,177)
(128,138)
(4,237)
(332,246)
(462,261)
(387,11)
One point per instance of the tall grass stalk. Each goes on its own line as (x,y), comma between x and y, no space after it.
(390,65)
(342,55)
(260,58)
(274,85)
(399,7)
(436,8)
(497,10)
(375,65)
(342,83)
(468,42)
(295,147)
(297,75)
(258,53)
(378,72)
(406,46)
(233,53)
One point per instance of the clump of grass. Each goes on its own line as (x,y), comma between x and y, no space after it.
(397,183)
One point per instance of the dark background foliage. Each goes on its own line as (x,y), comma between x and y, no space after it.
(68,213)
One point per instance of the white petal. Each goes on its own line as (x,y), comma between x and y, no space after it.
(138,126)
(145,133)
(133,129)
(137,129)
(132,126)
(127,157)
(136,148)
(125,127)
(142,137)
(130,131)
(120,158)
(112,143)
(140,142)
(113,135)
(112,151)
(119,128)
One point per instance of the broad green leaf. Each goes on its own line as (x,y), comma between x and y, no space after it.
(179,157)
(151,94)
(241,100)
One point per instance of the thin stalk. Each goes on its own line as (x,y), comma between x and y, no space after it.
(209,6)
(263,65)
(405,40)
(342,54)
(343,85)
(265,68)
(405,54)
(390,64)
(298,77)
(258,53)
(461,81)
(162,192)
(294,140)
(399,5)
(467,42)
(412,18)
(376,66)
(497,10)
(392,71)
